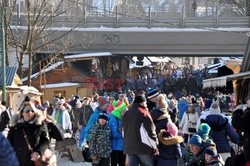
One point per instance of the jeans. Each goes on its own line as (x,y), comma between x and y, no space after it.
(143,160)
(81,136)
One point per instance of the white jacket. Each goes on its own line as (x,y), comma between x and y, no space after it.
(66,123)
(188,118)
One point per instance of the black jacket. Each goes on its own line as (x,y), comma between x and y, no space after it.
(131,123)
(86,112)
(37,134)
(240,121)
(5,119)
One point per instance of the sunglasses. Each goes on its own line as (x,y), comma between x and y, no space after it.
(28,111)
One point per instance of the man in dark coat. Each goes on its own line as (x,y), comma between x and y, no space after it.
(139,152)
(240,121)
(86,112)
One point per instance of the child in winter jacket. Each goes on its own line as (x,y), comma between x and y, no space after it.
(169,147)
(99,142)
(212,158)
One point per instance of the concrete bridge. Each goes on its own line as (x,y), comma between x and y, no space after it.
(168,36)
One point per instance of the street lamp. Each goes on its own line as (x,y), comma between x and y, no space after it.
(3,51)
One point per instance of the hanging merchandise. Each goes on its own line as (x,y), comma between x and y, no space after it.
(109,68)
(94,65)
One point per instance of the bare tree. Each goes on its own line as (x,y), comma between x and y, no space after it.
(37,33)
(238,6)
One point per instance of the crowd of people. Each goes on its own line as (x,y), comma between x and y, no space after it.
(147,128)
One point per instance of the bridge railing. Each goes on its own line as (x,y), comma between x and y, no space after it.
(148,19)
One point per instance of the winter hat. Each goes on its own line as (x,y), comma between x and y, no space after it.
(102,100)
(172,129)
(139,99)
(215,108)
(211,151)
(103,115)
(195,140)
(204,128)
(46,103)
(118,110)
(153,93)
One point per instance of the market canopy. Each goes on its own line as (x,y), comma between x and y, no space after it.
(222,81)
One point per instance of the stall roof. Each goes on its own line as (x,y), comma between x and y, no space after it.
(222,81)
(10,74)
(146,63)
(159,59)
(87,55)
(59,85)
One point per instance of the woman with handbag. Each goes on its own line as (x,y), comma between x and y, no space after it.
(29,135)
(188,123)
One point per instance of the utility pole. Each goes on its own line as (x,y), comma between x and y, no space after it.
(3,50)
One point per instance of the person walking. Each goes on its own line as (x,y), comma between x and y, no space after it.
(137,124)
(240,121)
(117,155)
(99,141)
(169,145)
(28,124)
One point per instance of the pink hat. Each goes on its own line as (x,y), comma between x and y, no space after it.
(172,129)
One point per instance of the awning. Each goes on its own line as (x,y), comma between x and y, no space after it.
(87,56)
(159,59)
(146,63)
(222,81)
(59,85)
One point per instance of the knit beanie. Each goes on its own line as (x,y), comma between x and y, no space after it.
(204,128)
(211,151)
(215,108)
(152,93)
(102,100)
(118,110)
(195,140)
(172,129)
(103,115)
(140,99)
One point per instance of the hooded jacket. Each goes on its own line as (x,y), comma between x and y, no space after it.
(220,129)
(37,134)
(116,135)
(169,147)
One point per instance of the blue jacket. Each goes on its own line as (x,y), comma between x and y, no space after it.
(220,129)
(169,147)
(182,106)
(92,120)
(116,135)
(7,154)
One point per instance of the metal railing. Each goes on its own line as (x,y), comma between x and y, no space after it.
(88,19)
